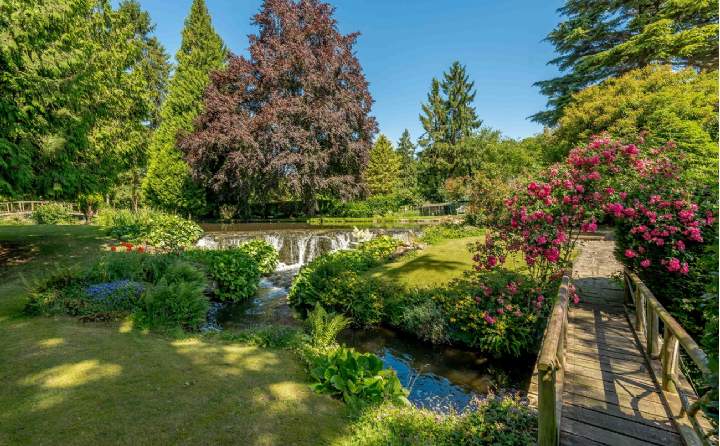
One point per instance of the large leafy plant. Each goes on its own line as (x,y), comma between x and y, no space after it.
(235,272)
(358,378)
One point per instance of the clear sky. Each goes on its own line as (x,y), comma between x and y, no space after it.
(404,43)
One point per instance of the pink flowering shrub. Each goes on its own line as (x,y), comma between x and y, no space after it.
(659,227)
(499,312)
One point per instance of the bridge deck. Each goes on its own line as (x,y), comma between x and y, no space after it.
(609,397)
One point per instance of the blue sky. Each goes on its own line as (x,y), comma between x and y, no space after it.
(404,43)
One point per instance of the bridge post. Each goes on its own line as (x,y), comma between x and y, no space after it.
(669,360)
(548,422)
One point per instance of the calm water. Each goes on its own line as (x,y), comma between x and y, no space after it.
(441,378)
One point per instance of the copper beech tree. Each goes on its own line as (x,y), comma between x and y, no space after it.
(292,119)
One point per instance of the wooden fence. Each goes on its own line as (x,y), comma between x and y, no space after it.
(551,370)
(9,208)
(663,353)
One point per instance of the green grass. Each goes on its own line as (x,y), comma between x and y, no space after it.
(67,382)
(435,265)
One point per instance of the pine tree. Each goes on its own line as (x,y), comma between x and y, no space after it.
(382,173)
(461,120)
(408,170)
(447,118)
(602,39)
(75,95)
(293,118)
(168,184)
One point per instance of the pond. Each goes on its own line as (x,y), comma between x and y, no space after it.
(440,378)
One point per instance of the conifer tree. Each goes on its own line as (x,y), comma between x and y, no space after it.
(168,184)
(382,173)
(447,118)
(602,39)
(408,171)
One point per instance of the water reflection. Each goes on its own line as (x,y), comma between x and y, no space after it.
(440,378)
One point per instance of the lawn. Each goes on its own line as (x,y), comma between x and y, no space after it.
(67,382)
(435,265)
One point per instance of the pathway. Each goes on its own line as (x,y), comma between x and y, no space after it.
(609,397)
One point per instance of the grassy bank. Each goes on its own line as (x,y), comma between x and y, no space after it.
(68,382)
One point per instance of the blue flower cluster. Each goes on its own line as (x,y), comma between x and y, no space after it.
(117,295)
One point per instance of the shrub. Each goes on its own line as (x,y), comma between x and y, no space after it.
(358,378)
(163,231)
(334,281)
(493,421)
(162,291)
(89,205)
(416,312)
(52,214)
(264,254)
(176,300)
(436,233)
(235,272)
(376,205)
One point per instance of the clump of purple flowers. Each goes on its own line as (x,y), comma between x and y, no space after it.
(116,295)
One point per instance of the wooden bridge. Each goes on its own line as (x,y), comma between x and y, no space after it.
(25,208)
(605,375)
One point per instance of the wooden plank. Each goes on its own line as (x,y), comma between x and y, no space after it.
(600,435)
(570,439)
(630,425)
(612,365)
(624,406)
(610,389)
(580,349)
(594,373)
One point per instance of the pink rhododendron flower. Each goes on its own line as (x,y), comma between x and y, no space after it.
(645,263)
(629,253)
(673,265)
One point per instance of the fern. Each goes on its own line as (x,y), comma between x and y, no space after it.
(324,327)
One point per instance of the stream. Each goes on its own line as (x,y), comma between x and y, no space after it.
(440,378)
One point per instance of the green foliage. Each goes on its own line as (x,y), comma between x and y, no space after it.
(172,232)
(168,184)
(235,271)
(81,80)
(323,327)
(502,421)
(264,254)
(358,378)
(658,103)
(269,336)
(377,205)
(89,205)
(382,173)
(52,214)
(600,40)
(176,300)
(408,167)
(161,291)
(163,231)
(437,233)
(415,311)
(334,281)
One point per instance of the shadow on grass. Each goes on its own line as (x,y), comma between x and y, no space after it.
(66,382)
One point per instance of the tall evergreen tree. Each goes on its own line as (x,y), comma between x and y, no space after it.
(447,117)
(74,94)
(408,170)
(168,184)
(294,116)
(382,173)
(602,39)
(461,119)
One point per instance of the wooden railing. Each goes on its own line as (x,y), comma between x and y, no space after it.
(27,207)
(663,352)
(551,370)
